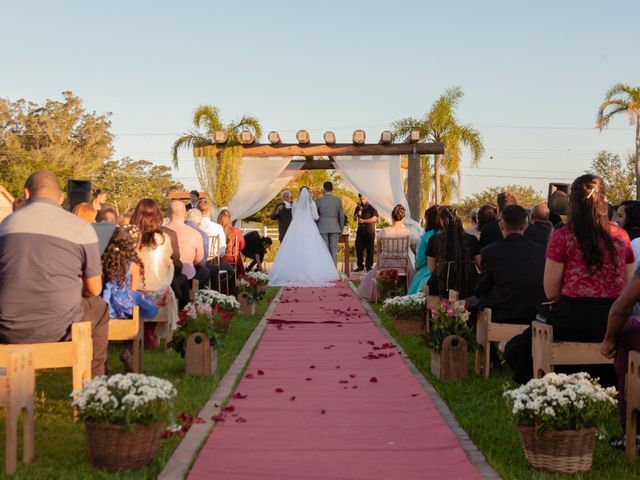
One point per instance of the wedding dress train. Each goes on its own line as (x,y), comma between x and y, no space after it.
(303,259)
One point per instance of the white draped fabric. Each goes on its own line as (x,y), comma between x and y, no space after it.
(378,178)
(261,179)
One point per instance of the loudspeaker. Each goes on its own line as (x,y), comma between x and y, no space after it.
(78,191)
(558,198)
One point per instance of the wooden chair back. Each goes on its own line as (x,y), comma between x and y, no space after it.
(215,258)
(397,250)
(17,389)
(487,332)
(633,403)
(130,330)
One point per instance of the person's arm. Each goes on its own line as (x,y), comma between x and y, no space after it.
(91,286)
(618,315)
(630,267)
(199,251)
(276,212)
(341,216)
(135,275)
(485,284)
(431,261)
(356,213)
(314,211)
(553,273)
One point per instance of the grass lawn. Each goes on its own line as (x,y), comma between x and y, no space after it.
(478,406)
(60,443)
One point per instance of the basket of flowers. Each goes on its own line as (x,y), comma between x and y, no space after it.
(124,417)
(224,306)
(248,294)
(261,279)
(557,417)
(386,283)
(407,313)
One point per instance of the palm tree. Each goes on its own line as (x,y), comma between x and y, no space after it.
(218,178)
(441,125)
(622,98)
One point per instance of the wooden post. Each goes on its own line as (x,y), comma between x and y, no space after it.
(386,137)
(274,137)
(359,137)
(329,138)
(220,136)
(247,138)
(303,137)
(200,357)
(414,186)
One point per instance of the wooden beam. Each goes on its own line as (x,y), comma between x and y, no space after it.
(318,165)
(303,137)
(414,189)
(323,150)
(274,137)
(329,138)
(359,137)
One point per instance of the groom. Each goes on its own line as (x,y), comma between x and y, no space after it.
(331,219)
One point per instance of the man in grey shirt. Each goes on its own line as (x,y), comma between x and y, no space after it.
(50,272)
(331,219)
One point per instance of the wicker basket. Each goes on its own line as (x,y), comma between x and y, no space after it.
(113,448)
(567,451)
(409,327)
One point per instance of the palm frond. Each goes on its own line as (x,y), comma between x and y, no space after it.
(403,127)
(207,117)
(188,141)
(603,118)
(471,138)
(619,89)
(248,123)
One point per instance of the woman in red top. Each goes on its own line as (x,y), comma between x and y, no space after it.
(235,242)
(588,264)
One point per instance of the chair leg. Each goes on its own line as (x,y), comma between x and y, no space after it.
(28,426)
(486,351)
(11,441)
(136,354)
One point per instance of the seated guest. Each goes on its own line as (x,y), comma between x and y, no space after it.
(194,219)
(588,263)
(511,272)
(621,337)
(105,226)
(86,212)
(367,287)
(235,242)
(539,227)
(255,248)
(628,218)
(486,214)
(453,257)
(212,228)
(432,225)
(473,229)
(190,244)
(491,231)
(50,272)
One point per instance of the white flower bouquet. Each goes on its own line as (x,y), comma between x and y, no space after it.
(212,298)
(260,277)
(561,402)
(127,400)
(407,306)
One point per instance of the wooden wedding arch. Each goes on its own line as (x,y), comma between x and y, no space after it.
(412,148)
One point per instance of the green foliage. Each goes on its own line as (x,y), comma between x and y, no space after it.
(618,176)
(128,181)
(441,125)
(218,172)
(60,136)
(527,197)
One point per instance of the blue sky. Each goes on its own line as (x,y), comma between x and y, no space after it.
(533,73)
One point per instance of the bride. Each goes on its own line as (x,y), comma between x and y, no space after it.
(303,259)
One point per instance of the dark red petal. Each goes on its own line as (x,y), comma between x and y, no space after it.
(240,395)
(229,408)
(354,387)
(308,379)
(323,412)
(217,418)
(343,381)
(352,375)
(312,366)
(373,380)
(279,390)
(241,420)
(337,366)
(414,394)
(292,398)
(260,372)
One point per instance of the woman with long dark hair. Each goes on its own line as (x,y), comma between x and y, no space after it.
(588,263)
(432,226)
(453,257)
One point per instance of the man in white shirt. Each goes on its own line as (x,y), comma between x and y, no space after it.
(212,229)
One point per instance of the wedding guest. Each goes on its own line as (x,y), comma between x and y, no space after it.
(255,249)
(539,227)
(235,242)
(367,287)
(366,216)
(622,336)
(491,232)
(511,272)
(588,263)
(432,225)
(104,226)
(161,267)
(212,228)
(194,198)
(194,220)
(627,218)
(18,203)
(99,199)
(124,219)
(473,229)
(453,257)
(85,211)
(189,243)
(283,213)
(50,272)
(486,214)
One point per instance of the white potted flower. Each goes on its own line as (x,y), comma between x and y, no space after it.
(407,313)
(224,305)
(261,279)
(557,417)
(124,417)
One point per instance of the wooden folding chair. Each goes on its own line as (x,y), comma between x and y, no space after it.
(487,332)
(17,389)
(167,318)
(130,330)
(397,250)
(215,258)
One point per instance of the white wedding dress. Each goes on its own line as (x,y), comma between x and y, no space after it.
(303,259)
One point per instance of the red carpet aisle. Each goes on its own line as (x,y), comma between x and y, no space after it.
(328,400)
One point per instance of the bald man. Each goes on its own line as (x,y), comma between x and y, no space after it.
(190,244)
(540,227)
(50,272)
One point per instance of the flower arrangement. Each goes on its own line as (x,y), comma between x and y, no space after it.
(213,298)
(561,402)
(449,318)
(126,400)
(249,285)
(198,318)
(261,278)
(386,281)
(408,306)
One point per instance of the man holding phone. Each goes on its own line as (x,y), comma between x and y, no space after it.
(366,216)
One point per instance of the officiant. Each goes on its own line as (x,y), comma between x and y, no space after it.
(366,216)
(282,213)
